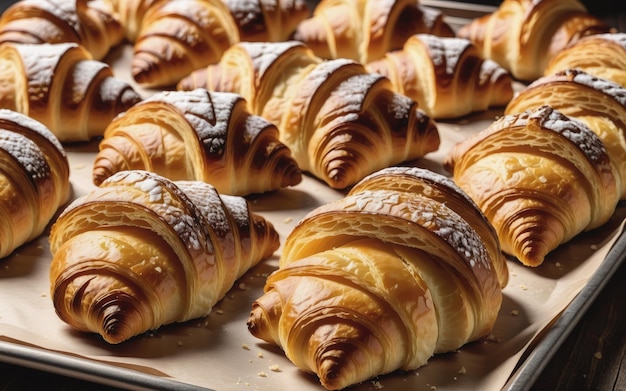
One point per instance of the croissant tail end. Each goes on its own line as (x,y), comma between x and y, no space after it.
(258,324)
(329,373)
(119,319)
(99,175)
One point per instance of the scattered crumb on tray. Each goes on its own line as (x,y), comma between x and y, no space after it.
(275,368)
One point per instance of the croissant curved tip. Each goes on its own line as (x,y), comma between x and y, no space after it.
(257,323)
(531,255)
(119,319)
(99,175)
(329,371)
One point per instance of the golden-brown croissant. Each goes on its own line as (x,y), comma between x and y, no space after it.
(267,20)
(178,37)
(339,121)
(523,35)
(383,279)
(198,135)
(446,76)
(540,177)
(597,102)
(34,179)
(141,251)
(89,23)
(61,86)
(602,55)
(364,30)
(130,14)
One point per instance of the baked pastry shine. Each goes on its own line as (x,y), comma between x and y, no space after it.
(141,251)
(383,279)
(339,121)
(364,30)
(601,55)
(198,135)
(523,35)
(540,177)
(446,76)
(89,23)
(599,103)
(61,86)
(34,179)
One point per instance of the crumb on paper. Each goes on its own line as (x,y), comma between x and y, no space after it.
(491,338)
(462,371)
(433,388)
(259,354)
(523,287)
(219,312)
(262,374)
(242,286)
(377,385)
(275,368)
(558,265)
(597,355)
(594,247)
(515,312)
(288,220)
(78,166)
(44,294)
(245,346)
(180,343)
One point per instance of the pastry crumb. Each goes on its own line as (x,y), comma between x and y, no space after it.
(262,374)
(275,368)
(594,247)
(245,346)
(523,287)
(462,371)
(242,286)
(288,220)
(597,355)
(377,385)
(259,354)
(515,312)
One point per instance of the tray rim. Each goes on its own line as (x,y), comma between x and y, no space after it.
(522,379)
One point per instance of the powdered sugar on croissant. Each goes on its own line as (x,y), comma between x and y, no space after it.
(141,251)
(198,135)
(383,279)
(339,121)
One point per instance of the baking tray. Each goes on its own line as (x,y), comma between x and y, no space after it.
(541,306)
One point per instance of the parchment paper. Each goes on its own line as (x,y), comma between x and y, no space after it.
(217,352)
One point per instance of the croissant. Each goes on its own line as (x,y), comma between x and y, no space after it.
(597,102)
(141,251)
(446,76)
(523,35)
(34,179)
(602,55)
(267,20)
(178,37)
(364,30)
(339,121)
(540,177)
(89,23)
(383,279)
(130,14)
(61,86)
(198,135)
